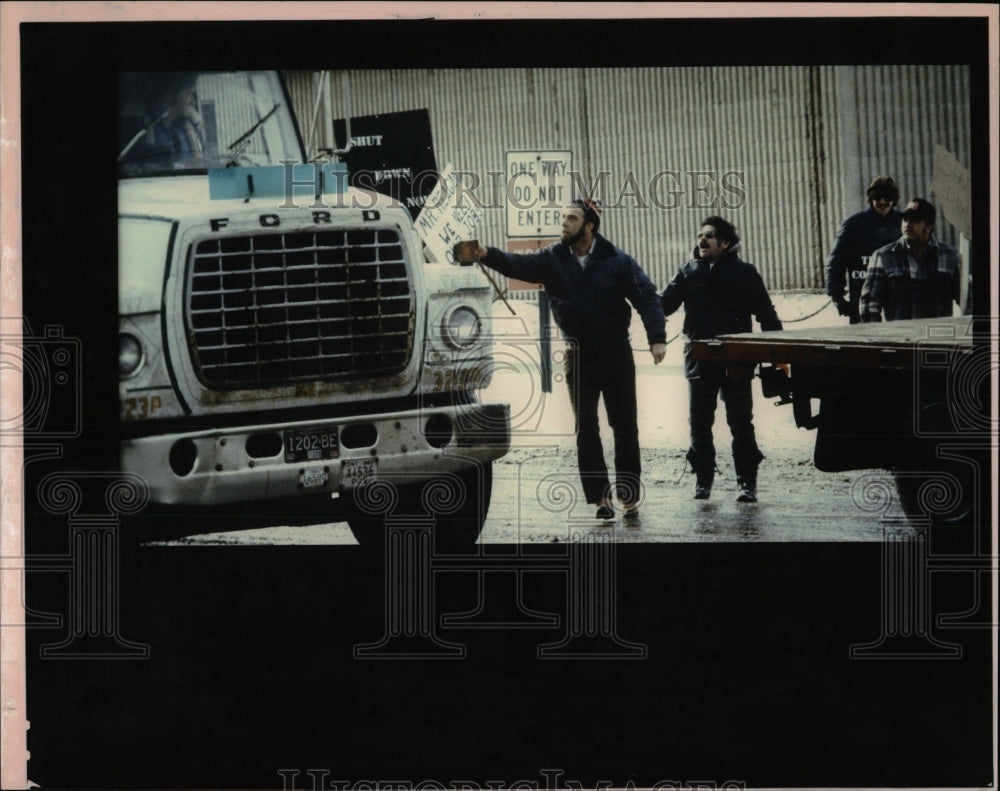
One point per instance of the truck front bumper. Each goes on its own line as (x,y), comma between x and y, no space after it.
(266,462)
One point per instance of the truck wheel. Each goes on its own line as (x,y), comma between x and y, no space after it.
(934,489)
(458,530)
(455,505)
(943,498)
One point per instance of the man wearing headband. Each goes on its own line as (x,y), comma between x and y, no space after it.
(915,277)
(591,283)
(860,235)
(719,293)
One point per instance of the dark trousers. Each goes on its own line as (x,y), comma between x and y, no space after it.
(705,391)
(591,374)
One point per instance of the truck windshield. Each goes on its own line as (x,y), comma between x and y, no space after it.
(170,122)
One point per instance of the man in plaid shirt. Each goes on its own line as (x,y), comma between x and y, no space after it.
(915,277)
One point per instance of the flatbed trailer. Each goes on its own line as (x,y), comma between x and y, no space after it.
(907,396)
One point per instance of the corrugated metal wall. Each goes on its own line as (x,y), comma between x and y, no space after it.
(799,144)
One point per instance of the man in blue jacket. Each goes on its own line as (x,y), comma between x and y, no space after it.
(591,282)
(719,293)
(860,235)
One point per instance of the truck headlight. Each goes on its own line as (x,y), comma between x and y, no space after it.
(462,327)
(129,355)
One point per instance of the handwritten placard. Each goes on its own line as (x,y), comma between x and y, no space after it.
(952,186)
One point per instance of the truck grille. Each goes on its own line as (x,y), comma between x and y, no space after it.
(287,307)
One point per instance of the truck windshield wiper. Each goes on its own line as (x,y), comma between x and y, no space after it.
(140,133)
(246,135)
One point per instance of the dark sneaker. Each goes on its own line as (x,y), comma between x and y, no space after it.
(631,514)
(605,512)
(747,494)
(702,492)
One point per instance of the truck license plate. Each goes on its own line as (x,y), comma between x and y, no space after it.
(313,476)
(358,472)
(312,443)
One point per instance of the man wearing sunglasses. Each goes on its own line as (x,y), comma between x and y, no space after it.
(860,235)
(719,293)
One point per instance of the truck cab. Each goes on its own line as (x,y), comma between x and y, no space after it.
(282,336)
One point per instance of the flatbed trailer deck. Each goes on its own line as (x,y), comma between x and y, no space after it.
(876,345)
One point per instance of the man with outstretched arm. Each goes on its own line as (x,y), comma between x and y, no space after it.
(591,284)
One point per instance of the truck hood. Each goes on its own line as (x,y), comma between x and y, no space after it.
(171,198)
(181,197)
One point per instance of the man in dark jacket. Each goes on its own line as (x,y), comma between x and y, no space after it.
(591,282)
(719,293)
(915,277)
(860,235)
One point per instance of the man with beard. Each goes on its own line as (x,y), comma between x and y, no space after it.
(719,293)
(860,235)
(915,277)
(591,282)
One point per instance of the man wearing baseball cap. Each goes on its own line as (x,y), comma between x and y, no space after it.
(915,277)
(591,283)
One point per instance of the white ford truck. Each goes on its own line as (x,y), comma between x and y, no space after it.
(282,337)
